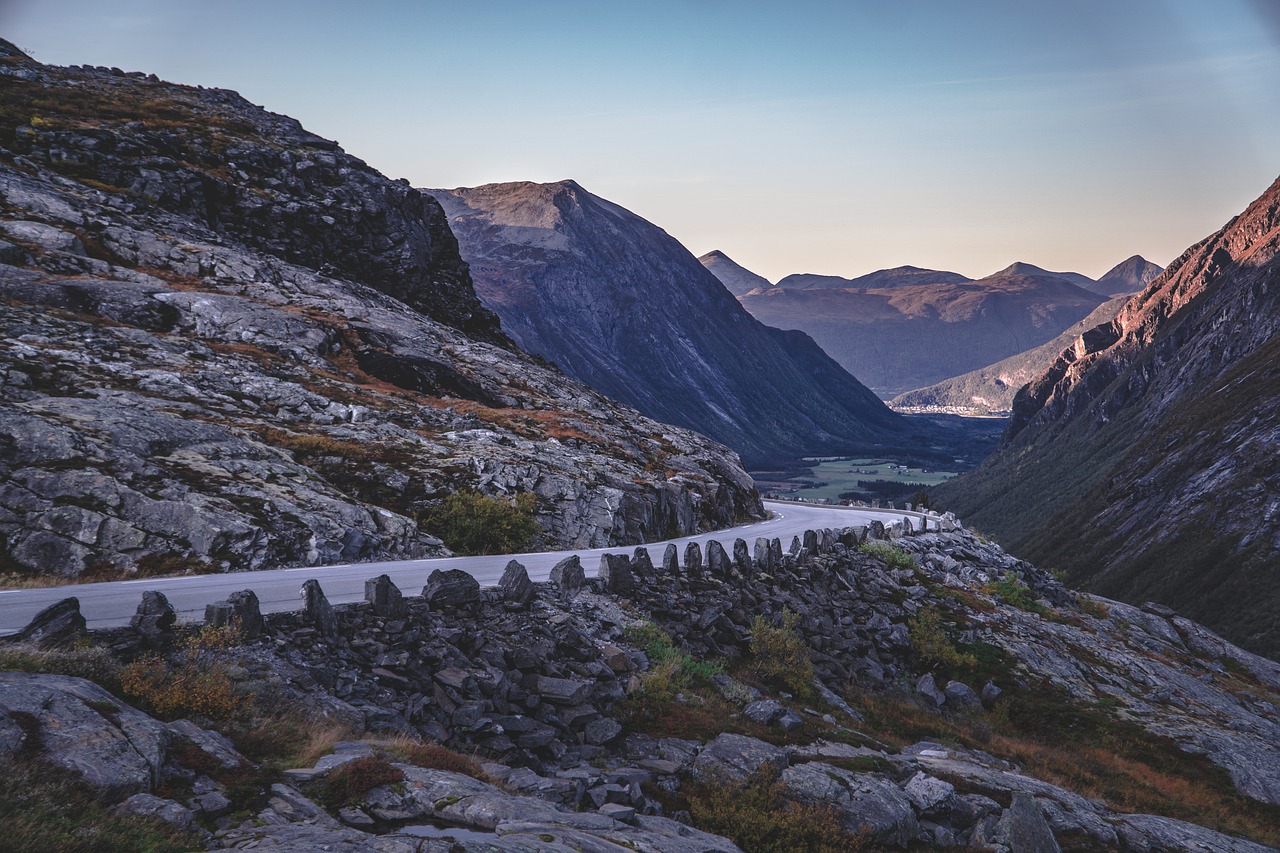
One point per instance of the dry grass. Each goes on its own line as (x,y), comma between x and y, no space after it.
(431,756)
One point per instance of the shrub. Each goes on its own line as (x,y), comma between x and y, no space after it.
(92,662)
(779,655)
(891,555)
(758,818)
(472,523)
(348,783)
(433,756)
(1092,607)
(1011,590)
(933,645)
(194,680)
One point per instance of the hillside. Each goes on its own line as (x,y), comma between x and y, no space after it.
(992,388)
(902,337)
(228,344)
(1143,461)
(736,278)
(619,304)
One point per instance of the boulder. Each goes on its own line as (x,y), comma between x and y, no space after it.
(450,588)
(763,556)
(385,597)
(732,759)
(693,560)
(928,688)
(641,564)
(810,543)
(155,617)
(764,711)
(516,588)
(742,558)
(865,803)
(149,805)
(568,576)
(960,696)
(241,610)
(990,693)
(929,796)
(56,625)
(317,610)
(1024,828)
(717,560)
(670,560)
(615,572)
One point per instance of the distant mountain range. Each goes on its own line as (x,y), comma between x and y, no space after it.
(896,277)
(1129,276)
(1143,461)
(618,303)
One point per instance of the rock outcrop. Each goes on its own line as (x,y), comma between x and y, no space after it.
(227,344)
(619,304)
(1143,461)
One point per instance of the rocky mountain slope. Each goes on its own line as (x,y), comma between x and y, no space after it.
(900,337)
(1129,276)
(619,304)
(228,344)
(1143,461)
(736,278)
(992,388)
(867,688)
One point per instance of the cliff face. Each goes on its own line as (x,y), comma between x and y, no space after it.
(228,344)
(898,336)
(1143,461)
(619,304)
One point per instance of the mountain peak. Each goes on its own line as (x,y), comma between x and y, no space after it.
(733,275)
(1129,276)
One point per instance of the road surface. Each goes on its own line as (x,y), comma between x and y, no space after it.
(112,604)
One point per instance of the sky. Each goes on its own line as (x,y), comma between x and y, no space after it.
(799,136)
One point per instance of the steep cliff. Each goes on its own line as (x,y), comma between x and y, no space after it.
(1143,461)
(618,303)
(228,344)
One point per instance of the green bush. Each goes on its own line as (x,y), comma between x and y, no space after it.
(472,523)
(933,645)
(1011,590)
(891,555)
(348,783)
(780,656)
(671,669)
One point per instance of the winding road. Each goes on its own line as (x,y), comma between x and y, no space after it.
(106,605)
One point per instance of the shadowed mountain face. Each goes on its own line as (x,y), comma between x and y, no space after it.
(1129,276)
(736,278)
(900,337)
(619,304)
(1143,462)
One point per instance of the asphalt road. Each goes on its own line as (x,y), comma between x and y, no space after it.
(107,605)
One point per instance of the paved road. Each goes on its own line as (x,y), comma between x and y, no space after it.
(111,604)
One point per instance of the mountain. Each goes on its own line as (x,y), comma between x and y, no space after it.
(992,388)
(907,336)
(1129,276)
(1143,462)
(619,304)
(896,277)
(737,278)
(228,344)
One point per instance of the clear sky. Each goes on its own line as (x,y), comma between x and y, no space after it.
(797,136)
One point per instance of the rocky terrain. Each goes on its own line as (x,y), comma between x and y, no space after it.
(865,688)
(619,304)
(897,337)
(736,278)
(227,344)
(1142,462)
(991,389)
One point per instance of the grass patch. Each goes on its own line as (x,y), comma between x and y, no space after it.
(346,785)
(433,756)
(780,657)
(891,555)
(1011,590)
(92,662)
(195,680)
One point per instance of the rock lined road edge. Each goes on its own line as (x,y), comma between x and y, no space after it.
(109,605)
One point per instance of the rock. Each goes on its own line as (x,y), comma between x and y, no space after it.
(930,797)
(602,731)
(385,597)
(928,688)
(617,811)
(56,625)
(763,556)
(1024,828)
(317,610)
(516,588)
(568,576)
(641,565)
(865,803)
(764,711)
(693,560)
(732,759)
(717,560)
(74,723)
(733,690)
(155,617)
(960,697)
(1143,833)
(564,691)
(450,588)
(990,693)
(789,721)
(615,572)
(742,558)
(670,560)
(148,805)
(240,610)
(214,745)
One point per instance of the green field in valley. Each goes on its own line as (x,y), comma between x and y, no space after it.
(829,478)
